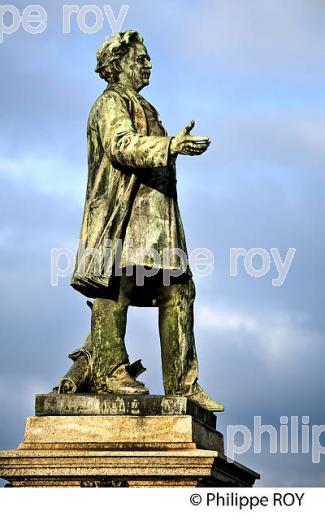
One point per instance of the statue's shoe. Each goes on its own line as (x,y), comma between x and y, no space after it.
(120,382)
(201,397)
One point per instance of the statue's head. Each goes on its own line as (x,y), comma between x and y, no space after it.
(123,58)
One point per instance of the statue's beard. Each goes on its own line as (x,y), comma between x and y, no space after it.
(140,81)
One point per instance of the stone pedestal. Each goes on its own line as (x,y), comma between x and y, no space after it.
(124,441)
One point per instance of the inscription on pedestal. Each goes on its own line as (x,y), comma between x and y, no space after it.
(90,404)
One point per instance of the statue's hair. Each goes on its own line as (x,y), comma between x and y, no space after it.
(112,50)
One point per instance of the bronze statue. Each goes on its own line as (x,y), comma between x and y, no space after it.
(131,199)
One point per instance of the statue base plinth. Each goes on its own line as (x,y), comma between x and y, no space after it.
(123,441)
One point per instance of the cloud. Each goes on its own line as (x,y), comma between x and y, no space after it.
(279,37)
(46,174)
(273,337)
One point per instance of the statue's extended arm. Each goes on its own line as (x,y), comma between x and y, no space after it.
(126,147)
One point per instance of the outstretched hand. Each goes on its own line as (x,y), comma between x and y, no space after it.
(187,144)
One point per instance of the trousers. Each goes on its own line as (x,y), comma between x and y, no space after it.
(178,351)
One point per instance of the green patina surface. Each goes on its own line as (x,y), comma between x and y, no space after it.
(131,204)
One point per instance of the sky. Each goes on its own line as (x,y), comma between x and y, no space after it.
(251,73)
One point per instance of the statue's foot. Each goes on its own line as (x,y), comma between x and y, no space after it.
(120,382)
(201,398)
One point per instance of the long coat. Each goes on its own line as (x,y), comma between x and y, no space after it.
(119,147)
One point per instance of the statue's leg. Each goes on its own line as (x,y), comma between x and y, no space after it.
(109,356)
(178,352)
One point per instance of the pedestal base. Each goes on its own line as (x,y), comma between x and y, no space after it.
(120,446)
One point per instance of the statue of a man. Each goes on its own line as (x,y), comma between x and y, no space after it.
(131,207)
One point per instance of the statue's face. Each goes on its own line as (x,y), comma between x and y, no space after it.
(136,67)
